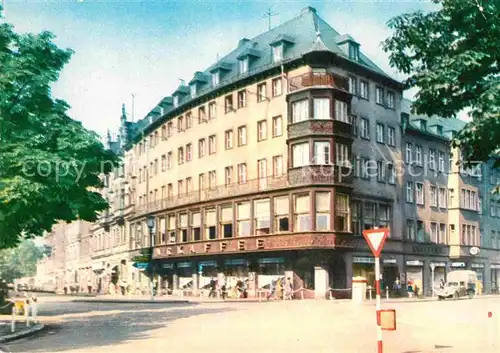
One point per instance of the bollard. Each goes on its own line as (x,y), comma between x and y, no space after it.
(370,293)
(387,292)
(13,323)
(27,313)
(302,293)
(34,310)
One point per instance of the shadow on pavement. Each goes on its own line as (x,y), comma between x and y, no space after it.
(103,330)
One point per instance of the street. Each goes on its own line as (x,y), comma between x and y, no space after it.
(293,326)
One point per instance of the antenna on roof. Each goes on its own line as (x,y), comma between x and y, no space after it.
(182,82)
(269,14)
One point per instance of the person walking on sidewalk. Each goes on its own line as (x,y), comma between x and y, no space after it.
(89,286)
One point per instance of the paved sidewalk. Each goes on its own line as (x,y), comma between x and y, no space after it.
(21,330)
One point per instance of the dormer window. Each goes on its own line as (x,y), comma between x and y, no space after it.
(176,101)
(354,51)
(244,65)
(278,53)
(439,130)
(215,78)
(193,90)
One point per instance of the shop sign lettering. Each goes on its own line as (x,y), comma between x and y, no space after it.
(429,250)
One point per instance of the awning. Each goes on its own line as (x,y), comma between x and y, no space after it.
(272,260)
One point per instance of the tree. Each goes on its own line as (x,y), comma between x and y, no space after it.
(50,165)
(452,56)
(20,262)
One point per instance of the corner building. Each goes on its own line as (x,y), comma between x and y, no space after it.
(262,165)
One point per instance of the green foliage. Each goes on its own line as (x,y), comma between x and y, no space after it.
(145,256)
(19,262)
(452,56)
(49,164)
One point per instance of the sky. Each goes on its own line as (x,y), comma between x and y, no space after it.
(143,48)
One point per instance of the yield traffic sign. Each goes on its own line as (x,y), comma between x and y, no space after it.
(376,239)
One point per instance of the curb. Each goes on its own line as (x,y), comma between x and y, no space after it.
(137,301)
(22,334)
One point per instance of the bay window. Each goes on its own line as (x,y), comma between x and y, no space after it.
(244,219)
(322,152)
(210,224)
(321,108)
(369,215)
(300,111)
(281,214)
(262,216)
(342,154)
(300,153)
(226,221)
(341,111)
(302,221)
(323,211)
(342,212)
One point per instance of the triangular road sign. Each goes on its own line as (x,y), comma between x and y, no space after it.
(376,239)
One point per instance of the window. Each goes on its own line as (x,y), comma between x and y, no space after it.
(302,213)
(202,148)
(420,231)
(215,78)
(391,136)
(226,221)
(170,190)
(354,123)
(323,211)
(341,154)
(441,161)
(172,229)
(212,111)
(364,91)
(341,212)
(210,224)
(155,167)
(180,187)
(164,132)
(369,213)
(242,173)
(356,218)
(410,229)
(390,100)
(442,234)
(243,65)
(277,53)
(300,111)
(379,95)
(202,117)
(189,152)
(341,112)
(418,155)
(183,223)
(201,182)
(408,152)
(244,219)
(391,172)
(380,133)
(212,145)
(262,214)
(419,193)
(442,197)
(352,85)
(434,196)
(261,92)
(189,185)
(228,175)
(480,205)
(434,232)
(193,90)
(176,101)
(277,87)
(300,154)
(196,226)
(242,135)
(212,179)
(277,126)
(365,128)
(170,129)
(432,159)
(189,120)
(180,124)
(365,168)
(321,108)
(277,165)
(281,214)
(322,152)
(409,192)
(380,171)
(180,155)
(384,215)
(261,130)
(242,99)
(228,139)
(228,104)
(262,169)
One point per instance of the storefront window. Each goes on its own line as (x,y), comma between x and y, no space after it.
(369,216)
(281,214)
(262,214)
(236,268)
(183,224)
(302,213)
(226,221)
(342,212)
(210,224)
(171,230)
(356,218)
(244,219)
(272,267)
(323,211)
(196,226)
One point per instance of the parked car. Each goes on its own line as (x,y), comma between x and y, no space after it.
(459,284)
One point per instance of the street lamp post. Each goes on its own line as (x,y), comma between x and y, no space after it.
(151,224)
(433,266)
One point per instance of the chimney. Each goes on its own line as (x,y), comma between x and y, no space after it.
(243,41)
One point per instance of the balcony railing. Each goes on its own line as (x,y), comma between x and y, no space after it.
(318,79)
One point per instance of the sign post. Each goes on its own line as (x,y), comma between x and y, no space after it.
(433,267)
(376,238)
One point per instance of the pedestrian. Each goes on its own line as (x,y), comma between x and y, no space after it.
(213,288)
(89,286)
(272,289)
(279,288)
(441,284)
(288,289)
